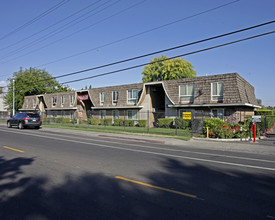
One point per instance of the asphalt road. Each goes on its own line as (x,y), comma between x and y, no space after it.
(64,174)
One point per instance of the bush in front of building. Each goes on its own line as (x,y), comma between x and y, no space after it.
(106,122)
(93,121)
(142,123)
(118,122)
(182,123)
(129,123)
(264,112)
(165,122)
(219,129)
(66,120)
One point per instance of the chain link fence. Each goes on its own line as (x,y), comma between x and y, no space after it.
(134,121)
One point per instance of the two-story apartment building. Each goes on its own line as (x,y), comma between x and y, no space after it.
(227,96)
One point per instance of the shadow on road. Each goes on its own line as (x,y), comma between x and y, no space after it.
(227,194)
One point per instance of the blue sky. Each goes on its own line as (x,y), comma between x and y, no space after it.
(108,29)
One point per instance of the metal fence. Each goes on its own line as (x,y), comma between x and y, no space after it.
(132,121)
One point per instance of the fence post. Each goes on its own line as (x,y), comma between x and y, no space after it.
(177,122)
(148,121)
(124,120)
(264,124)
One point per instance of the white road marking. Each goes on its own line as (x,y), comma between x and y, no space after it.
(154,153)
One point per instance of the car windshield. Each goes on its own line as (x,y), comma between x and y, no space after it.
(33,115)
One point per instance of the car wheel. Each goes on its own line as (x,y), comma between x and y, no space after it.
(9,125)
(37,127)
(20,125)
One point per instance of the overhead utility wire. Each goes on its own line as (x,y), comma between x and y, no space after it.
(165,50)
(120,40)
(181,55)
(160,51)
(141,33)
(58,22)
(35,19)
(100,21)
(59,30)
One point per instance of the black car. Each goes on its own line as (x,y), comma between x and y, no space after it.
(24,119)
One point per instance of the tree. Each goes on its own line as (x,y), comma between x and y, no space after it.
(167,69)
(30,82)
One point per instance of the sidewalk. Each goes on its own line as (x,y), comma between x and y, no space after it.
(245,146)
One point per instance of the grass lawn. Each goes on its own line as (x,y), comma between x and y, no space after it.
(163,132)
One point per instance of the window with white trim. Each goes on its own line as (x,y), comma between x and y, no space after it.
(54,99)
(132,114)
(115,114)
(114,97)
(217,113)
(187,93)
(72,99)
(102,114)
(132,96)
(62,100)
(27,103)
(34,102)
(102,97)
(217,91)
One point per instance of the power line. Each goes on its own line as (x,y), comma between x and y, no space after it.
(58,22)
(144,64)
(168,49)
(126,9)
(161,51)
(126,38)
(181,55)
(141,33)
(59,30)
(36,18)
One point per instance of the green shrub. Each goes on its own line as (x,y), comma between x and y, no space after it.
(93,121)
(84,121)
(118,122)
(102,121)
(142,123)
(108,122)
(264,112)
(221,129)
(129,123)
(59,120)
(66,120)
(182,123)
(46,120)
(165,122)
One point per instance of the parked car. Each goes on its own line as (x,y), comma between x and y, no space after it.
(24,119)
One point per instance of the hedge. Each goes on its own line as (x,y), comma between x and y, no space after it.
(118,122)
(142,123)
(165,122)
(129,123)
(106,122)
(264,112)
(182,123)
(93,121)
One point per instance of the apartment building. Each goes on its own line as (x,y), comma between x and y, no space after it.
(226,96)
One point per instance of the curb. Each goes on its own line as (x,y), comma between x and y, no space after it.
(227,140)
(134,139)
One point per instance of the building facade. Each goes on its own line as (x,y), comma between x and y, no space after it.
(226,96)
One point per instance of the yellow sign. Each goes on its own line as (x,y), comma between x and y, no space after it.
(187,115)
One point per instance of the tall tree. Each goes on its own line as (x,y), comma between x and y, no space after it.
(163,68)
(30,82)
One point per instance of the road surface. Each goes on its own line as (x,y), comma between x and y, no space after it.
(65,174)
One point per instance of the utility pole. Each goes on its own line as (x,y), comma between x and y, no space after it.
(13,107)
